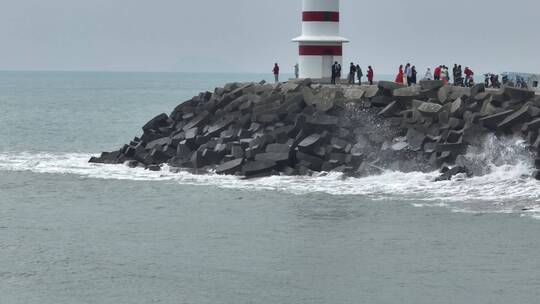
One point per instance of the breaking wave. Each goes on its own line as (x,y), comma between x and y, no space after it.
(505,187)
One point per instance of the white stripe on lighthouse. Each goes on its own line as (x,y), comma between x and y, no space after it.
(320,5)
(320,28)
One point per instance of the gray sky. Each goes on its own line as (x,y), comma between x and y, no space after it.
(249,35)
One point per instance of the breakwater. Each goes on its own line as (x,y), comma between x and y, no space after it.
(297,128)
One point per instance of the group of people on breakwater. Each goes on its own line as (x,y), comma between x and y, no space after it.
(406,75)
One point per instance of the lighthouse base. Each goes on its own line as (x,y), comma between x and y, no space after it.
(316,67)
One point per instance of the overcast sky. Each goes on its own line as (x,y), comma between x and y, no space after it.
(249,35)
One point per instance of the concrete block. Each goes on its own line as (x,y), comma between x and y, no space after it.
(254,168)
(519,117)
(492,121)
(198,121)
(312,162)
(156,122)
(281,159)
(431,84)
(428,109)
(310,143)
(518,94)
(230,167)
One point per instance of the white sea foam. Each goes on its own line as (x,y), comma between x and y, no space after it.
(507,188)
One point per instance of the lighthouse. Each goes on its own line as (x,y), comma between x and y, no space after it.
(320,44)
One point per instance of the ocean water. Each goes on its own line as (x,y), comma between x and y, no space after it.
(74,232)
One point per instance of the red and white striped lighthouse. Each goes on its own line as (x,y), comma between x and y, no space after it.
(320,44)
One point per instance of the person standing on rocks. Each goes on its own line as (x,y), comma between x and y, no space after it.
(334,73)
(352,73)
(370,75)
(296,71)
(338,76)
(400,75)
(408,74)
(468,76)
(445,76)
(428,75)
(276,72)
(413,75)
(437,73)
(458,81)
(359,73)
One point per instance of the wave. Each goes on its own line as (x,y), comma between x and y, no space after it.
(507,188)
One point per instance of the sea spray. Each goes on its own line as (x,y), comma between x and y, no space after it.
(506,188)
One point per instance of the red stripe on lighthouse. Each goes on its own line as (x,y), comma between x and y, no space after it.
(320,50)
(320,16)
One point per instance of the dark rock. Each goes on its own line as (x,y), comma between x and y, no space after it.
(154,168)
(312,162)
(230,167)
(457,108)
(322,120)
(415,139)
(518,94)
(278,148)
(519,117)
(256,168)
(381,101)
(282,159)
(156,122)
(447,174)
(198,121)
(220,126)
(492,121)
(309,143)
(339,144)
(534,125)
(389,110)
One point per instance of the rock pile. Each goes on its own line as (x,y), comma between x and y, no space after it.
(297,128)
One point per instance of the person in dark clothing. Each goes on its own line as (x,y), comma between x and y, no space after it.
(359,73)
(455,72)
(370,75)
(413,75)
(334,73)
(276,72)
(352,73)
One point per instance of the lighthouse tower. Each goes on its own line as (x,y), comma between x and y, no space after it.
(320,44)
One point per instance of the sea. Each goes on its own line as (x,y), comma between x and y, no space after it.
(74,232)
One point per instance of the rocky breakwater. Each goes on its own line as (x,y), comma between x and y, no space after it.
(298,128)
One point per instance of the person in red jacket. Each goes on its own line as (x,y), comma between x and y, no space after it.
(276,72)
(468,76)
(370,75)
(399,77)
(437,73)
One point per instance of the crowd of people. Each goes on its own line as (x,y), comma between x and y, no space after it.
(407,75)
(442,73)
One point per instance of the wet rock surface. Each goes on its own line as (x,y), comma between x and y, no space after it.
(299,128)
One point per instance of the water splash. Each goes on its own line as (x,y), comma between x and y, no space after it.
(504,187)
